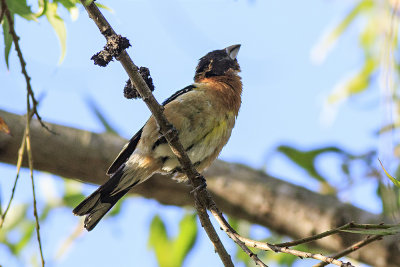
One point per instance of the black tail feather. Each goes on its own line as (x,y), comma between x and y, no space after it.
(101,201)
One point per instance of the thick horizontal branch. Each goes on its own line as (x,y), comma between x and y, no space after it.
(240,191)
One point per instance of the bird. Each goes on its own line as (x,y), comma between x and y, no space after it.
(203,113)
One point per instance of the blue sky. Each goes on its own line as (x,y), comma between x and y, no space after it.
(283,95)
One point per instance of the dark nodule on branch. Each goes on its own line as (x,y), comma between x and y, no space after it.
(131,92)
(115,45)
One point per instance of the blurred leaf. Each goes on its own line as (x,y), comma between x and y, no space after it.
(286,259)
(71,6)
(389,231)
(158,240)
(100,116)
(72,200)
(328,40)
(388,128)
(390,199)
(7,40)
(394,180)
(88,2)
(186,238)
(13,219)
(68,4)
(241,256)
(21,8)
(42,6)
(4,127)
(171,253)
(116,209)
(357,84)
(104,7)
(28,229)
(243,228)
(369,35)
(306,160)
(59,27)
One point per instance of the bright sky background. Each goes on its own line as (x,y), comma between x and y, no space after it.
(284,93)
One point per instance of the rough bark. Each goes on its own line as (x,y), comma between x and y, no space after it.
(239,191)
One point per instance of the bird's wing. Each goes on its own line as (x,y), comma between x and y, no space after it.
(128,149)
(178,93)
(125,153)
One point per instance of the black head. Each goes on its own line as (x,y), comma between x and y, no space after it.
(218,62)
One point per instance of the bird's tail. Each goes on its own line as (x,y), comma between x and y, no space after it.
(102,200)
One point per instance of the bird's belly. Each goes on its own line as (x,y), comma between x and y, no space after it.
(201,145)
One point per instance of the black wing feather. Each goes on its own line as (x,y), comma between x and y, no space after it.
(178,93)
(128,149)
(125,153)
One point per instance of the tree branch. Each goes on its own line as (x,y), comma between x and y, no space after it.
(352,248)
(239,191)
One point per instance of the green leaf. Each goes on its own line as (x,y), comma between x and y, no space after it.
(395,181)
(158,240)
(185,240)
(15,216)
(8,41)
(389,231)
(28,229)
(104,7)
(357,84)
(286,259)
(329,39)
(59,27)
(68,4)
(390,198)
(306,160)
(171,253)
(71,200)
(116,209)
(71,6)
(21,8)
(42,4)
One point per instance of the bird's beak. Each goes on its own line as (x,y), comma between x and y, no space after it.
(232,51)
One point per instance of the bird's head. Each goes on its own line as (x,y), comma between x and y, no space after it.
(218,63)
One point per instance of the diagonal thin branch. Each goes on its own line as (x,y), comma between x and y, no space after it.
(346,226)
(30,162)
(352,248)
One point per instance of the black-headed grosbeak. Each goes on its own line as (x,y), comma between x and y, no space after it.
(204,114)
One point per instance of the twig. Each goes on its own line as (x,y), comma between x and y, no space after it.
(201,197)
(351,249)
(347,226)
(30,162)
(19,163)
(15,37)
(314,237)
